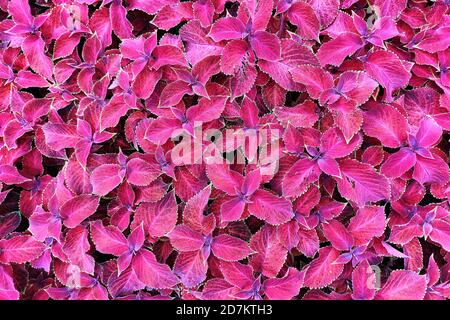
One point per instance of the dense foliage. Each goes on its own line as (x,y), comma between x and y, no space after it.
(100,107)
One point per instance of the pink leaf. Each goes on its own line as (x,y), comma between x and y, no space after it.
(266,45)
(105,178)
(108,239)
(10,175)
(228,28)
(270,208)
(335,51)
(191,268)
(270,255)
(315,79)
(229,248)
(60,136)
(388,70)
(78,209)
(141,173)
(363,280)
(361,183)
(7,289)
(284,288)
(431,170)
(152,273)
(300,116)
(296,179)
(193,211)
(34,49)
(20,249)
(303,16)
(185,239)
(224,179)
(403,285)
(368,223)
(237,274)
(326,10)
(112,113)
(398,163)
(386,124)
(160,217)
(337,234)
(321,271)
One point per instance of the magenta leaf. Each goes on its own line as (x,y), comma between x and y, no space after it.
(223,149)
(284,288)
(361,183)
(403,285)
(20,249)
(160,217)
(78,208)
(229,248)
(152,273)
(321,271)
(364,282)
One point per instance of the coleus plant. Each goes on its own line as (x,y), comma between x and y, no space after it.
(101,103)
